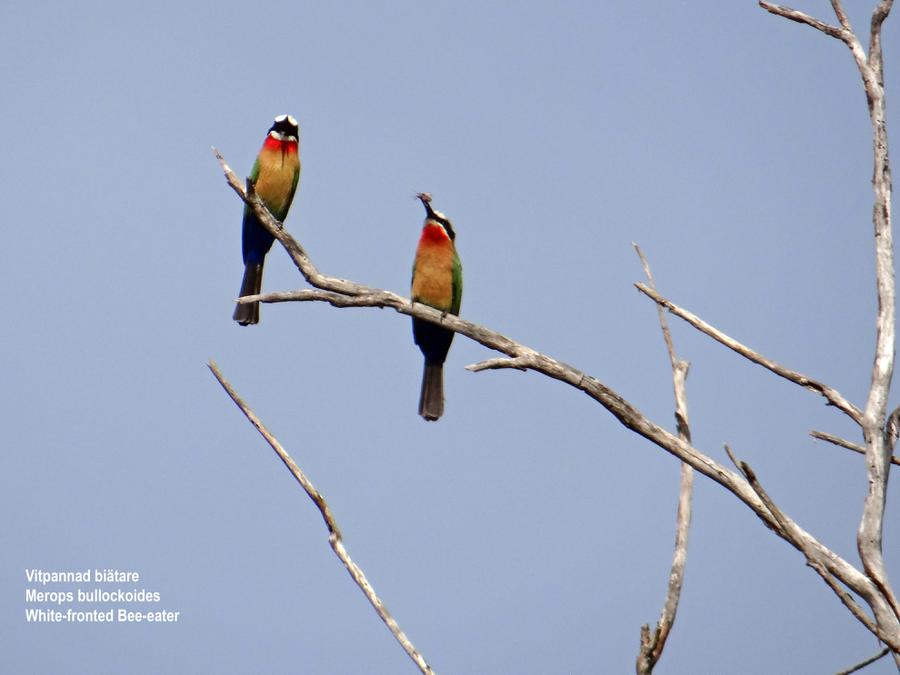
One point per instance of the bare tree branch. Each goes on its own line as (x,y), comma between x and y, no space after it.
(334,533)
(869,661)
(293,248)
(869,538)
(663,324)
(653,642)
(837,440)
(875,58)
(332,298)
(789,530)
(801,17)
(878,455)
(530,359)
(845,33)
(497,364)
(833,396)
(841,15)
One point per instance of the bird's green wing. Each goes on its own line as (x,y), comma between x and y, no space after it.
(253,177)
(254,172)
(457,285)
(296,182)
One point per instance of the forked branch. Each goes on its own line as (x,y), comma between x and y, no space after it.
(869,539)
(802,17)
(654,641)
(830,394)
(788,530)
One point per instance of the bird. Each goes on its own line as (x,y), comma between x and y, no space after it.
(436,282)
(275,175)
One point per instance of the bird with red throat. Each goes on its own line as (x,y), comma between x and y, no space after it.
(436,282)
(275,176)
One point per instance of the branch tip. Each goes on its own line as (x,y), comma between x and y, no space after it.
(335,538)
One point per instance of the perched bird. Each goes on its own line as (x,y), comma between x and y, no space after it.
(436,281)
(275,175)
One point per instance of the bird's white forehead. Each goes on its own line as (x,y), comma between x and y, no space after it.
(289,118)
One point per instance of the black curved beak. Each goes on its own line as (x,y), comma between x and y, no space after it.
(425,198)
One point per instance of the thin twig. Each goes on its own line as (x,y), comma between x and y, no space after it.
(334,533)
(837,440)
(497,364)
(663,324)
(801,17)
(654,641)
(844,443)
(869,661)
(833,396)
(841,15)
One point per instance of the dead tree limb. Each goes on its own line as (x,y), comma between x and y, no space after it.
(866,662)
(844,443)
(879,445)
(788,530)
(335,539)
(654,641)
(830,394)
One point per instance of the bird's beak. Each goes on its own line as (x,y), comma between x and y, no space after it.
(425,198)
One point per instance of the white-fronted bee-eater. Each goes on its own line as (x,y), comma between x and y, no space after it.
(437,282)
(275,175)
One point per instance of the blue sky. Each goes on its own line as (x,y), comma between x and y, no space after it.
(527,531)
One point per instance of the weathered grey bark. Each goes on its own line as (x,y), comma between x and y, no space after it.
(335,538)
(878,437)
(844,443)
(833,396)
(653,642)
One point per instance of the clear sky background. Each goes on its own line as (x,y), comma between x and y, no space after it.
(526,531)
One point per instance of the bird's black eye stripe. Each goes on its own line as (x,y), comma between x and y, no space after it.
(447,226)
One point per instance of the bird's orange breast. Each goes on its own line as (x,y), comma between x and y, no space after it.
(278,165)
(433,270)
